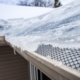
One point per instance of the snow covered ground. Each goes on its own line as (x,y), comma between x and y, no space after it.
(13,12)
(15,2)
(61,28)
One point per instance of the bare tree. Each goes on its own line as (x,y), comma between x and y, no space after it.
(57,3)
(36,2)
(44,3)
(23,3)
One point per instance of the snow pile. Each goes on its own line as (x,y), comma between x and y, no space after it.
(61,28)
(26,12)
(4,25)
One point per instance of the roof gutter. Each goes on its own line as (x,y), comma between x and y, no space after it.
(2,41)
(53,69)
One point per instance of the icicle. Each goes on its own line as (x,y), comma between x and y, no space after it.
(14,51)
(21,51)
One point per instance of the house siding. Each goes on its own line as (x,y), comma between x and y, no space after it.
(12,66)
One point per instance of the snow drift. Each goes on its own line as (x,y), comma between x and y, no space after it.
(61,28)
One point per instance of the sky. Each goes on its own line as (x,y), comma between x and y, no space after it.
(11,12)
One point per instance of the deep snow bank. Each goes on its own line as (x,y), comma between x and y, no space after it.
(61,28)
